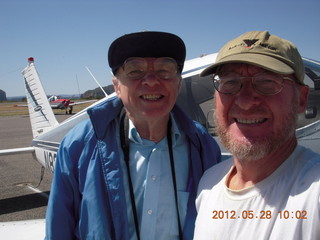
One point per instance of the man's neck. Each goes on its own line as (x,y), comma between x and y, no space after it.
(248,173)
(152,129)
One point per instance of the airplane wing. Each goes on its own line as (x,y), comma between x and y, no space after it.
(14,151)
(23,230)
(82,102)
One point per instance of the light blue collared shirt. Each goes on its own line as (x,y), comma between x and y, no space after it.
(153,186)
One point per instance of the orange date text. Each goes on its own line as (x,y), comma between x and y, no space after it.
(263,214)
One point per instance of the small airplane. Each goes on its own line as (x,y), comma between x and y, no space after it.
(60,103)
(63,103)
(195,98)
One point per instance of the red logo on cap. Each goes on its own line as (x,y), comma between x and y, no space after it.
(250,42)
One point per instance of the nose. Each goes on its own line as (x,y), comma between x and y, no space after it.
(150,79)
(247,96)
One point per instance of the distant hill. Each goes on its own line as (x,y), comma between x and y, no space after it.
(97,93)
(17,99)
(3,96)
(89,94)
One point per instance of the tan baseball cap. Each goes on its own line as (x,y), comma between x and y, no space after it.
(263,50)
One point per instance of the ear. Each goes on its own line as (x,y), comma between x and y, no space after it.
(179,83)
(116,87)
(304,93)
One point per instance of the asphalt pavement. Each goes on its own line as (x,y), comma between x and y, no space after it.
(22,195)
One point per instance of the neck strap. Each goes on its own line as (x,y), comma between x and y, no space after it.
(125,143)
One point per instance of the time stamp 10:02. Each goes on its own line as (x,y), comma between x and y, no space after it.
(263,214)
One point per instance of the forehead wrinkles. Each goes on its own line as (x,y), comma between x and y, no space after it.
(242,68)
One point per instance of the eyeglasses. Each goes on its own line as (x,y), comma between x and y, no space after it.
(263,83)
(164,68)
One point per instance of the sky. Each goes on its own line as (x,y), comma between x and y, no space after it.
(65,36)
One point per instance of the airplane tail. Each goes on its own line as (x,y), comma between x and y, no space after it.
(41,115)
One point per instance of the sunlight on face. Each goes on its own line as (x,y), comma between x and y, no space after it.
(256,148)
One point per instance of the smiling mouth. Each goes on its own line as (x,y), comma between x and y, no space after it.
(152,97)
(250,121)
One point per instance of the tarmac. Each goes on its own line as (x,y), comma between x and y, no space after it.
(22,195)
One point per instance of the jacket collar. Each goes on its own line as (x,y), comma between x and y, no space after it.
(102,114)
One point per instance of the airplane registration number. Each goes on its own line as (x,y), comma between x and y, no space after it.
(50,160)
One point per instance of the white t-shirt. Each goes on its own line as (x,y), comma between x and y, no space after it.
(285,205)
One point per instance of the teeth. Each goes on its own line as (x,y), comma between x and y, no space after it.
(250,121)
(151,97)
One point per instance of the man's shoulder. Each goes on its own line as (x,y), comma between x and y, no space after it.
(79,132)
(219,169)
(215,174)
(308,162)
(305,157)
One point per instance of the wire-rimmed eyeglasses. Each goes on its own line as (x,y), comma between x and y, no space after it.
(164,67)
(263,83)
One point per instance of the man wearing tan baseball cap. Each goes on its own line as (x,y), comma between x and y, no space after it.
(270,188)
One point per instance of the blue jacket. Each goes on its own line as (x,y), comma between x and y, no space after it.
(87,199)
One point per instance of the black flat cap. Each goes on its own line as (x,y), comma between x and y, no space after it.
(146,44)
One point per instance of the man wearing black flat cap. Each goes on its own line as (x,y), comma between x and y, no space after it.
(131,171)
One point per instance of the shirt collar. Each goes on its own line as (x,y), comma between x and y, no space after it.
(135,137)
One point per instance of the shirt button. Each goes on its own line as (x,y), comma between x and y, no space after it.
(149,211)
(153,177)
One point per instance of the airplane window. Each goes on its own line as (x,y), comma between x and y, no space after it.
(312,79)
(312,69)
(196,99)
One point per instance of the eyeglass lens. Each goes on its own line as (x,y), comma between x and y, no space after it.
(164,68)
(266,84)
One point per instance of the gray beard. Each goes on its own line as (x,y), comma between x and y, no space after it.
(254,149)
